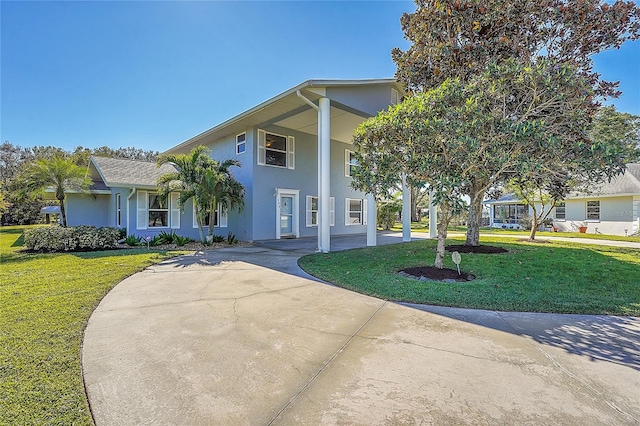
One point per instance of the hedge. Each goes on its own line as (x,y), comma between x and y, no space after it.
(73,238)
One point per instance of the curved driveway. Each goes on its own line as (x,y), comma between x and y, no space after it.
(242,336)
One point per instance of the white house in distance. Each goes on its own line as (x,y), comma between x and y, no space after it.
(613,208)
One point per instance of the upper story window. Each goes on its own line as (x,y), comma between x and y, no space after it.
(241,143)
(276,150)
(350,163)
(593,210)
(561,211)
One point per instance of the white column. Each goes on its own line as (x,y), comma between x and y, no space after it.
(406,210)
(372,218)
(433,217)
(324,170)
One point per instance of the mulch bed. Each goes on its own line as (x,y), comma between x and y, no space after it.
(461,248)
(431,273)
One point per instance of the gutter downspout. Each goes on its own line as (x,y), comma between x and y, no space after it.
(133,191)
(324,230)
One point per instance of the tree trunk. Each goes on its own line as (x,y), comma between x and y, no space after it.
(445,218)
(199,222)
(63,213)
(475,218)
(442,237)
(534,223)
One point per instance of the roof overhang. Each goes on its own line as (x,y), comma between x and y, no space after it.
(289,110)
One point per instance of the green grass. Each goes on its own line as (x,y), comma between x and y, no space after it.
(46,301)
(553,277)
(424,227)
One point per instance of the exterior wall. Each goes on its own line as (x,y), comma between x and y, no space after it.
(616,216)
(267,180)
(87,209)
(368,99)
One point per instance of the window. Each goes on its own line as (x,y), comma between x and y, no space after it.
(158,212)
(395,97)
(219,221)
(355,211)
(118,210)
(561,211)
(154,213)
(241,143)
(509,213)
(312,211)
(593,210)
(350,163)
(276,150)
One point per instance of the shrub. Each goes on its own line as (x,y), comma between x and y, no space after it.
(217,238)
(133,240)
(76,238)
(180,241)
(231,239)
(163,238)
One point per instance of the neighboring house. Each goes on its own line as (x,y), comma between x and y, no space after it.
(612,208)
(297,161)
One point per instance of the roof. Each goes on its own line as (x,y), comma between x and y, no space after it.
(625,184)
(129,173)
(622,185)
(275,107)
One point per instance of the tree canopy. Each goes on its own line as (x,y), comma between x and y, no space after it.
(536,56)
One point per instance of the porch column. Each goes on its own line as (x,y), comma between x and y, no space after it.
(372,218)
(406,210)
(433,217)
(324,170)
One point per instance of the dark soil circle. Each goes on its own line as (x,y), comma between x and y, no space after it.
(435,274)
(461,248)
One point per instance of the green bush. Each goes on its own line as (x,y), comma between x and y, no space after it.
(180,241)
(75,238)
(231,239)
(133,240)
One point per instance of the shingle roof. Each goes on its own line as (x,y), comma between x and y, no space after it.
(627,183)
(122,172)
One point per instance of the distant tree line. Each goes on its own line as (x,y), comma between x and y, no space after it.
(17,209)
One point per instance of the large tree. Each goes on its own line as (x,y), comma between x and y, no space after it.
(58,174)
(461,39)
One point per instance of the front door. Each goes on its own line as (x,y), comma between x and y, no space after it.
(287,206)
(286,216)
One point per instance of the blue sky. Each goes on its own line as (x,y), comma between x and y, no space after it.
(153,74)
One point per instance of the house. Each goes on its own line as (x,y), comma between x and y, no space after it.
(612,208)
(297,160)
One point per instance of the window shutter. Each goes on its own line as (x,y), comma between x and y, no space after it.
(309,203)
(222,217)
(174,210)
(142,207)
(291,151)
(332,211)
(347,203)
(262,152)
(364,211)
(347,164)
(193,210)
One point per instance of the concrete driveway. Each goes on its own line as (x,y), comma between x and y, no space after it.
(241,336)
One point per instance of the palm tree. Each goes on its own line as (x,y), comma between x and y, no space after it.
(60,174)
(220,189)
(208,181)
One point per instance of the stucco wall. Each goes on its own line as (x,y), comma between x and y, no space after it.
(616,216)
(303,178)
(87,210)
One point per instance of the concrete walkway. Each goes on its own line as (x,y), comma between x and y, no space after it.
(242,336)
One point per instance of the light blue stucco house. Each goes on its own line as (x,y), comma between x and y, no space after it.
(297,160)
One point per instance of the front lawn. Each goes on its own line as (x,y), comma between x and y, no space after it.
(46,301)
(551,277)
